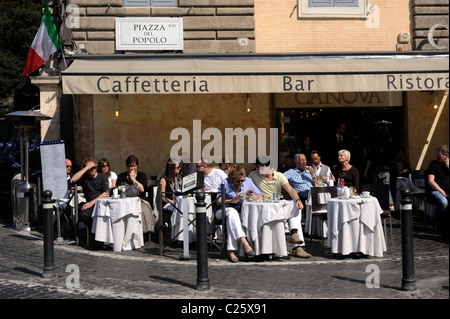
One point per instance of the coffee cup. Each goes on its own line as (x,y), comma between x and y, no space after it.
(365,194)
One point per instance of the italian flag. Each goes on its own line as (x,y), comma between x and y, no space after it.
(45,43)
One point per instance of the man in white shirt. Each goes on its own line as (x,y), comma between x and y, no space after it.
(213,176)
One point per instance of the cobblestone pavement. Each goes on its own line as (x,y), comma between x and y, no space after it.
(143,274)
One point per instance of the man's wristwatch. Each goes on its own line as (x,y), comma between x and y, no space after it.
(298,199)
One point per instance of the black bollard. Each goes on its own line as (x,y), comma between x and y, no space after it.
(202,256)
(408,280)
(49,263)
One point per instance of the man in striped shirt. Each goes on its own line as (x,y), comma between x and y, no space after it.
(301,178)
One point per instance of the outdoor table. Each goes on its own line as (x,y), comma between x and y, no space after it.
(264,225)
(118,222)
(354,225)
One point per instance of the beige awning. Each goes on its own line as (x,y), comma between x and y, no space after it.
(143,74)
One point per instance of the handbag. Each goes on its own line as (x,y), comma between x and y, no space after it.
(132,191)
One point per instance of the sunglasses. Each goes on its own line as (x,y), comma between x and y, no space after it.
(68,166)
(106,165)
(132,165)
(241,180)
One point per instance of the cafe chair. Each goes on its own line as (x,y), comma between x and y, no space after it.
(417,181)
(319,208)
(212,237)
(381,193)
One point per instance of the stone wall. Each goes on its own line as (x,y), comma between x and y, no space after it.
(210,26)
(425,14)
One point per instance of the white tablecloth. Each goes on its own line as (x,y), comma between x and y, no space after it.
(354,225)
(118,222)
(187,204)
(264,226)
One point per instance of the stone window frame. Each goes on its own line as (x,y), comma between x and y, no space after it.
(361,11)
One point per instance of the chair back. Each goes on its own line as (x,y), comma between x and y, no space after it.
(380,192)
(321,207)
(151,191)
(417,181)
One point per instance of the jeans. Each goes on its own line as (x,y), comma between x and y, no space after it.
(436,197)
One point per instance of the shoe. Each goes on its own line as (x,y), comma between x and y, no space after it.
(233,259)
(295,239)
(299,252)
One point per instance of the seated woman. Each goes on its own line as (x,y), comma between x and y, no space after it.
(345,171)
(170,181)
(234,184)
(133,176)
(105,168)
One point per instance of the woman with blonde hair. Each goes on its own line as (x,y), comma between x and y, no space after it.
(235,183)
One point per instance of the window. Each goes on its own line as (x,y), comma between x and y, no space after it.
(333,8)
(148,3)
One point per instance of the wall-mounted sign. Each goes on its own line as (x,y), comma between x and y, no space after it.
(135,34)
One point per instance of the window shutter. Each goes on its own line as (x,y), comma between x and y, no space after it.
(163,3)
(136,3)
(320,3)
(346,3)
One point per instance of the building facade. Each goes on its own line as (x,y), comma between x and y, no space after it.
(184,71)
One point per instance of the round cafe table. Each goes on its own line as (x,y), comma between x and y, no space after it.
(354,225)
(264,226)
(118,222)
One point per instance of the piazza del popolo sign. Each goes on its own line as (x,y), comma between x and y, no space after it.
(136,34)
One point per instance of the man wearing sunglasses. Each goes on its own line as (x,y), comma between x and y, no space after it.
(95,186)
(270,181)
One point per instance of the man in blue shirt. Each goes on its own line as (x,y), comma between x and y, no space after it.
(301,178)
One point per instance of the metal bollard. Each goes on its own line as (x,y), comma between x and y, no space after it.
(408,280)
(49,263)
(202,256)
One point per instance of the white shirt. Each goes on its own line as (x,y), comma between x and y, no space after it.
(214,179)
(111,178)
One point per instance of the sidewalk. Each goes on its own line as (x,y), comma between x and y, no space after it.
(143,274)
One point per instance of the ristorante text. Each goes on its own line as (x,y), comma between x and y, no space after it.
(134,84)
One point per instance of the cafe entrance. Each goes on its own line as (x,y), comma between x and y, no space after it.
(318,123)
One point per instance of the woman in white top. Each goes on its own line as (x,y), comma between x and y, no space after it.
(105,168)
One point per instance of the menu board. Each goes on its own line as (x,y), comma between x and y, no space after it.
(54,176)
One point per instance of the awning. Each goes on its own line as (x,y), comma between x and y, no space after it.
(207,74)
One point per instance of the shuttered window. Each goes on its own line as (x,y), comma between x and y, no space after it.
(333,3)
(148,3)
(333,8)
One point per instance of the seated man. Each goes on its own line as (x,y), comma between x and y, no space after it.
(301,178)
(437,186)
(213,176)
(322,171)
(95,186)
(269,181)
